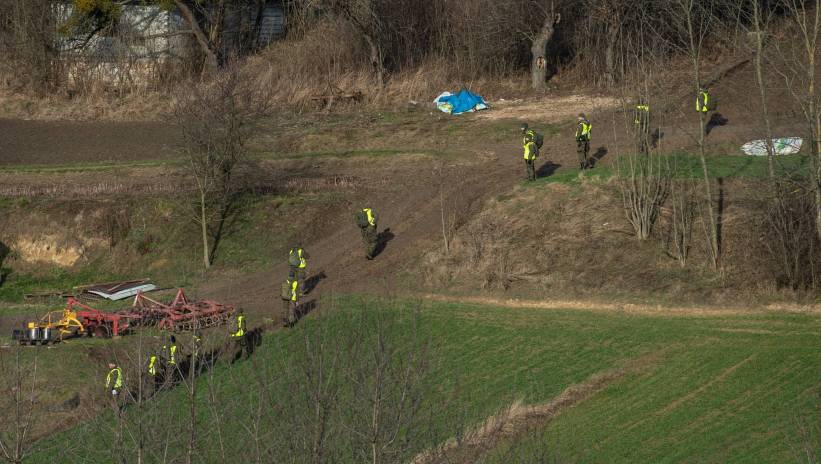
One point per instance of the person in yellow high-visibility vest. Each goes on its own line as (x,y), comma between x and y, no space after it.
(114,380)
(298,263)
(530,145)
(290,300)
(169,353)
(237,328)
(155,371)
(366,220)
(641,123)
(703,101)
(583,141)
(195,360)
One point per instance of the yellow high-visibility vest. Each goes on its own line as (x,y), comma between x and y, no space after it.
(641,111)
(702,101)
(583,131)
(369,214)
(152,365)
(118,380)
(240,326)
(531,151)
(172,354)
(294,284)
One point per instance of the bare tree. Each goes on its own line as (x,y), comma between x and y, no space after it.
(440,173)
(611,14)
(365,17)
(216,119)
(683,210)
(19,396)
(385,377)
(798,68)
(28,42)
(694,20)
(209,44)
(190,376)
(760,26)
(791,240)
(644,183)
(311,410)
(643,180)
(538,48)
(372,19)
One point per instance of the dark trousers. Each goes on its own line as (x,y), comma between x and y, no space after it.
(371,240)
(642,138)
(530,166)
(240,348)
(288,312)
(583,149)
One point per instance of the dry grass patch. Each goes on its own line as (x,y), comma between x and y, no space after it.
(518,417)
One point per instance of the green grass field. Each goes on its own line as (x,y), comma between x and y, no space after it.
(698,389)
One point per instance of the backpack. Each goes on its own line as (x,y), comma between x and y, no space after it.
(361,219)
(293,257)
(539,140)
(286,290)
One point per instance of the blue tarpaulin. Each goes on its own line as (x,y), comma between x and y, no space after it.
(461,102)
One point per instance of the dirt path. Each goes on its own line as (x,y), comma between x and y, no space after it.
(410,217)
(630,308)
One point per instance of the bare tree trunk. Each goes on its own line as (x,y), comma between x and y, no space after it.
(140,401)
(810,32)
(14,448)
(816,123)
(215,406)
(762,89)
(538,50)
(444,220)
(609,52)
(810,28)
(695,54)
(202,40)
(206,258)
(377,402)
(376,59)
(253,40)
(215,34)
(192,397)
(119,449)
(708,193)
(817,183)
(440,172)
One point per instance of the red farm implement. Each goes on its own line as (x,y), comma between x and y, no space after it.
(80,319)
(181,314)
(76,319)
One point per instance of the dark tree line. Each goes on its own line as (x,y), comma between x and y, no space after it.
(475,37)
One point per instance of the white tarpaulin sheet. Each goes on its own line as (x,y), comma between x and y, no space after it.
(782,146)
(125,293)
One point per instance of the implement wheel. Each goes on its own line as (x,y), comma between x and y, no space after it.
(102,331)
